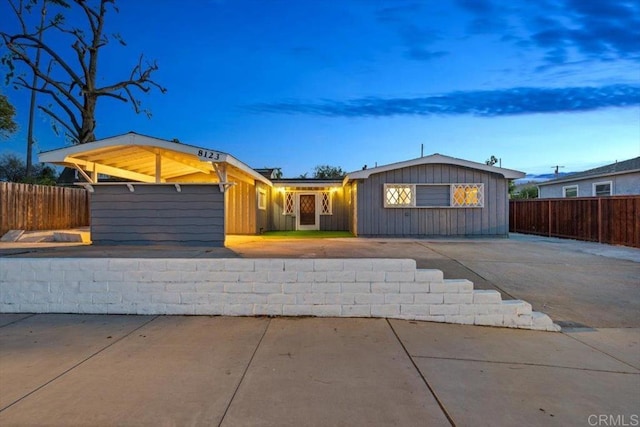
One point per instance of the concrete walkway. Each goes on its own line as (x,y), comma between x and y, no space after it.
(92,370)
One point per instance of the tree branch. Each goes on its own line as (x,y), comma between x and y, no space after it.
(13,40)
(144,77)
(22,56)
(74,134)
(22,82)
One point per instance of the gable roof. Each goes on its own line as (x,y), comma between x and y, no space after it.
(133,156)
(435,159)
(617,168)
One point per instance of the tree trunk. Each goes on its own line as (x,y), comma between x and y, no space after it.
(88,120)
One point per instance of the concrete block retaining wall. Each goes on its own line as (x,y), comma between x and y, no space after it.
(391,288)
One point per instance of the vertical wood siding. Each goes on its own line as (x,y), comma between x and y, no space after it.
(157,214)
(263,217)
(375,220)
(350,196)
(39,207)
(241,208)
(339,219)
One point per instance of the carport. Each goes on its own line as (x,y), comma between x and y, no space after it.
(164,192)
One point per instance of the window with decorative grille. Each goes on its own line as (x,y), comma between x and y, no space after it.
(325,200)
(467,195)
(398,195)
(289,207)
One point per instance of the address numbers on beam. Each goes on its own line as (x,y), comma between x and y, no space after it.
(209,155)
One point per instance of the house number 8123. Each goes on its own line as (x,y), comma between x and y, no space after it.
(208,155)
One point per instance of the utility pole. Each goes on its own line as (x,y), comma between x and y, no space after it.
(32,106)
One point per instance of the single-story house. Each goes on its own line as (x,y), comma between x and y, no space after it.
(615,179)
(182,194)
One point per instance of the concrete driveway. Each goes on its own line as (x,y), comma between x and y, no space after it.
(92,370)
(578,284)
(97,370)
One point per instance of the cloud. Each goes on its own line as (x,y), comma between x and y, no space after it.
(565,30)
(599,30)
(414,36)
(483,103)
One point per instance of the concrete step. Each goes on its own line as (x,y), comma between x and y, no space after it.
(486,296)
(12,236)
(72,236)
(542,322)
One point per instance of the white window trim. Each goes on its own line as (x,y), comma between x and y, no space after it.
(316,196)
(392,185)
(293,204)
(262,200)
(566,187)
(329,199)
(593,187)
(480,188)
(451,186)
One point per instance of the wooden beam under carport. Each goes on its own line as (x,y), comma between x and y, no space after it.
(109,170)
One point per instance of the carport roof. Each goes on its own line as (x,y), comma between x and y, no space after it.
(435,159)
(134,156)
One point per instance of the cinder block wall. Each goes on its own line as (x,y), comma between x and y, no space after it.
(391,288)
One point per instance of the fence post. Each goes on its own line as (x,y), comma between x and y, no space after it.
(599,219)
(515,215)
(549,218)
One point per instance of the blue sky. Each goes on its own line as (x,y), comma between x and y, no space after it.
(299,83)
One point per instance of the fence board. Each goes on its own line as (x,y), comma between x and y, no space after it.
(614,220)
(38,207)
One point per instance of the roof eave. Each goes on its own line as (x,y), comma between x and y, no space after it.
(583,177)
(434,159)
(63,155)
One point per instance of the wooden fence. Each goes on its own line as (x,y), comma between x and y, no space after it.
(40,207)
(614,220)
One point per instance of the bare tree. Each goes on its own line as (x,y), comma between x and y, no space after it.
(69,78)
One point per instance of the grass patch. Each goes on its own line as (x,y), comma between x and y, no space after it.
(306,234)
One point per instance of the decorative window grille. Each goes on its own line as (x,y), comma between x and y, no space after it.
(289,207)
(325,203)
(433,195)
(399,195)
(467,195)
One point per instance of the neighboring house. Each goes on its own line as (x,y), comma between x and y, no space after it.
(616,179)
(183,194)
